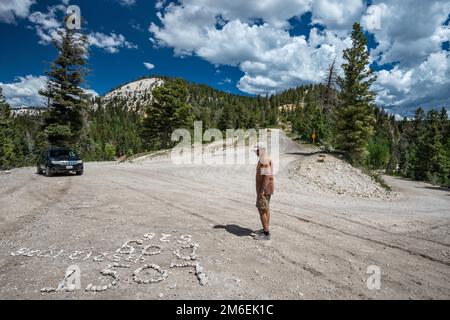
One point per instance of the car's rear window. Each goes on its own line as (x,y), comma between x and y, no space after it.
(61,153)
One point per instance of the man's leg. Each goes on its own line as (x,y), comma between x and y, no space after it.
(265,219)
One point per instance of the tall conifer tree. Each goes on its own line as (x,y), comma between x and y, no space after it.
(11,142)
(355,114)
(64,91)
(168,111)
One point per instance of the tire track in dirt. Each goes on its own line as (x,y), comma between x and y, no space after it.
(167,181)
(393,233)
(165,202)
(15,189)
(379,242)
(25,220)
(390,233)
(337,257)
(317,273)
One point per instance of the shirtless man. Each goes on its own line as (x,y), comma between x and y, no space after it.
(265,186)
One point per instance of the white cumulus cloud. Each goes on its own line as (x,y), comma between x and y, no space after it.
(12,9)
(149,66)
(110,43)
(337,14)
(49,24)
(407,31)
(426,85)
(24,91)
(410,35)
(225,33)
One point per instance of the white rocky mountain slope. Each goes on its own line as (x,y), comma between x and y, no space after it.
(134,93)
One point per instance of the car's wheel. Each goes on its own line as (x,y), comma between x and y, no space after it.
(79,173)
(39,170)
(48,173)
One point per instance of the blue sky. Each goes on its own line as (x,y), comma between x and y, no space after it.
(244,47)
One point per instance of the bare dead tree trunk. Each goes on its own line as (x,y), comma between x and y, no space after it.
(330,87)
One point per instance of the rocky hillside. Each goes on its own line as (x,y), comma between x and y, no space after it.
(327,174)
(134,93)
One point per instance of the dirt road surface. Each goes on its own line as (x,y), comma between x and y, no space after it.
(322,243)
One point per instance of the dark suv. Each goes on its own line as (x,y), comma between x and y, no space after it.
(59,160)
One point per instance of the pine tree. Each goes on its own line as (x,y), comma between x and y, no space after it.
(5,110)
(355,117)
(446,142)
(433,154)
(379,147)
(168,111)
(394,137)
(64,123)
(423,149)
(416,160)
(7,148)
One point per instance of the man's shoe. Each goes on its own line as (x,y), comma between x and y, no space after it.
(262,237)
(258,231)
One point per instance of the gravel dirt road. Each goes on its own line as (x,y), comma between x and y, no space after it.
(322,242)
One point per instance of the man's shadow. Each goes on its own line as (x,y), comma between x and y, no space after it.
(235,229)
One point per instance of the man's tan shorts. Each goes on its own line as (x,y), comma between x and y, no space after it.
(263,202)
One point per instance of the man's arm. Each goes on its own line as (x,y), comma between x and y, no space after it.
(267,173)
